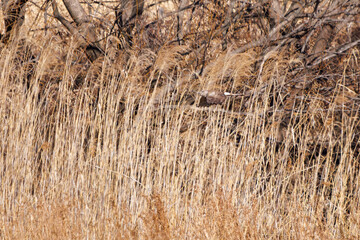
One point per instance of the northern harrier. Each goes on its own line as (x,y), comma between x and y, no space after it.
(209,98)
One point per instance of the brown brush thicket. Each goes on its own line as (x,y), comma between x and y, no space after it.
(185,119)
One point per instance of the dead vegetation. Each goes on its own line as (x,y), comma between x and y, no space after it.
(180,120)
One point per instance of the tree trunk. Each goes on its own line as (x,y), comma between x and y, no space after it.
(76,12)
(84,31)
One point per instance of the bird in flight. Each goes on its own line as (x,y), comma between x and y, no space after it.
(209,98)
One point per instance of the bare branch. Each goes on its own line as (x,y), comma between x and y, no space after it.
(225,27)
(63,20)
(339,51)
(84,32)
(76,11)
(180,19)
(264,39)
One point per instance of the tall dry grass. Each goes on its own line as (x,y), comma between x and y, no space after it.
(98,152)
